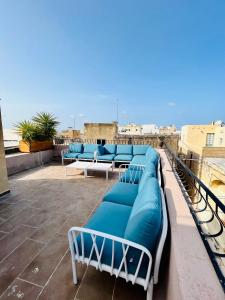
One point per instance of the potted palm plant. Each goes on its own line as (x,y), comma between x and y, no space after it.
(38,134)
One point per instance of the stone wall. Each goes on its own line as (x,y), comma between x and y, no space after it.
(4,187)
(100,131)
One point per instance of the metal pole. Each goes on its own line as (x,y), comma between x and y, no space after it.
(117,110)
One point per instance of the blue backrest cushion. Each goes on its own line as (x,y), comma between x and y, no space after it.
(149,171)
(124,149)
(100,150)
(145,221)
(110,148)
(152,155)
(140,149)
(76,148)
(90,148)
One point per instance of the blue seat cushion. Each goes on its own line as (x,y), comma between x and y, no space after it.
(152,155)
(123,157)
(86,156)
(144,225)
(110,218)
(131,175)
(124,149)
(109,149)
(139,160)
(90,148)
(71,155)
(122,193)
(140,149)
(109,157)
(76,148)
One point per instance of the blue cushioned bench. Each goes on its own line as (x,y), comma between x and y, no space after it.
(88,152)
(126,234)
(80,152)
(133,154)
(72,152)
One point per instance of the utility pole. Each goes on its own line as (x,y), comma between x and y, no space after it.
(117,111)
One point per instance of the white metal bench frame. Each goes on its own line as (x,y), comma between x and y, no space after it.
(134,174)
(151,277)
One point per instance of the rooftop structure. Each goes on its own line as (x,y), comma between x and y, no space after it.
(134,129)
(130,129)
(149,129)
(200,138)
(69,133)
(203,148)
(11,138)
(171,129)
(100,131)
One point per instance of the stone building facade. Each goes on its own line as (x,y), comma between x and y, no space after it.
(203,150)
(69,134)
(100,131)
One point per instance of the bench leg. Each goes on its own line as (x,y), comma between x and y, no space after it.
(74,271)
(150,290)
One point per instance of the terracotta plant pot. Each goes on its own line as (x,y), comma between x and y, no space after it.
(35,146)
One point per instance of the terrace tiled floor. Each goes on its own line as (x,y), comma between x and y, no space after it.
(34,220)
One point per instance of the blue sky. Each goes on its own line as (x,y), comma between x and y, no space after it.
(164,60)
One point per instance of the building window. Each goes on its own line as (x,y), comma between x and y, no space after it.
(209,139)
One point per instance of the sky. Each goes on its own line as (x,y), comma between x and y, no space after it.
(162,61)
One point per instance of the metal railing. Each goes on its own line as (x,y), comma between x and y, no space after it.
(207,210)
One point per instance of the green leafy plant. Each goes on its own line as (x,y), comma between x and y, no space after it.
(46,124)
(27,130)
(42,127)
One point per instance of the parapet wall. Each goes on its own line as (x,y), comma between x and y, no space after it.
(191,274)
(19,162)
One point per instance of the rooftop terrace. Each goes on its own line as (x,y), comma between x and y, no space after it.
(34,220)
(34,259)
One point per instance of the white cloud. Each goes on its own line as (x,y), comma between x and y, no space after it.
(81,115)
(171,103)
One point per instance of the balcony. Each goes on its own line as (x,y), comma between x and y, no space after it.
(35,261)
